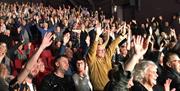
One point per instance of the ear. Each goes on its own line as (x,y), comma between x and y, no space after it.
(56,64)
(168,64)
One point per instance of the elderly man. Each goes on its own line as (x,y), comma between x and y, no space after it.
(172,70)
(99,61)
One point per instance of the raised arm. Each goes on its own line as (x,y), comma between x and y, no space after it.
(92,51)
(140,47)
(33,60)
(114,44)
(66,39)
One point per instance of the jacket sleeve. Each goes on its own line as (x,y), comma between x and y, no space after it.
(92,53)
(112,46)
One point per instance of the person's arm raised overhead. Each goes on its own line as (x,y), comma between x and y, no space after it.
(33,60)
(66,39)
(140,47)
(92,51)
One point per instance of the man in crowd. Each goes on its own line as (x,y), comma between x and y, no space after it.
(172,70)
(99,60)
(57,81)
(29,71)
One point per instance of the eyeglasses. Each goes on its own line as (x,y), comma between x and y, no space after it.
(101,50)
(175,61)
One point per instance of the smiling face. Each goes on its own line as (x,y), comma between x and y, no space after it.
(3,49)
(151,75)
(101,51)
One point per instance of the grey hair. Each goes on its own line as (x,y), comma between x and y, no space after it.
(141,69)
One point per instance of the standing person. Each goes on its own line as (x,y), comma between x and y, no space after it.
(58,81)
(99,60)
(17,83)
(120,77)
(81,77)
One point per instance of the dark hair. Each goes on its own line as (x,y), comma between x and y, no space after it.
(57,59)
(167,58)
(77,57)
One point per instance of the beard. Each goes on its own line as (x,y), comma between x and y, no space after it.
(62,69)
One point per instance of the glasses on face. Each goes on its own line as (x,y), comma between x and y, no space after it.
(175,61)
(101,50)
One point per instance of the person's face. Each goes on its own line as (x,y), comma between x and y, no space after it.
(20,47)
(58,44)
(62,64)
(41,65)
(151,75)
(101,51)
(34,70)
(174,63)
(80,65)
(3,49)
(69,53)
(123,50)
(45,25)
(58,29)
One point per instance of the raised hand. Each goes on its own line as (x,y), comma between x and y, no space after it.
(150,31)
(47,40)
(87,40)
(140,46)
(66,38)
(29,45)
(99,30)
(167,85)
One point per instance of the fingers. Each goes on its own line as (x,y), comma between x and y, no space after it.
(174,89)
(168,81)
(138,40)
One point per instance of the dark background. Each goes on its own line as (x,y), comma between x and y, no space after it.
(137,9)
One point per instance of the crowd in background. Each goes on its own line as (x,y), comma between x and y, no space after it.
(75,49)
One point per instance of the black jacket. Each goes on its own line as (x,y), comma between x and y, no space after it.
(118,80)
(172,74)
(54,83)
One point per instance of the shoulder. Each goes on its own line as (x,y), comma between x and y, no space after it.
(138,87)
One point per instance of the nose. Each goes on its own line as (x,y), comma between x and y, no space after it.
(156,75)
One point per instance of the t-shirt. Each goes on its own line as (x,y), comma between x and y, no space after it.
(54,83)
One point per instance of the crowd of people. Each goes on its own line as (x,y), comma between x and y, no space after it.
(75,49)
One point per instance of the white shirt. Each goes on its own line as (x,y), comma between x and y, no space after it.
(30,86)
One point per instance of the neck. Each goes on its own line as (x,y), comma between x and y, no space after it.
(29,80)
(45,28)
(81,74)
(148,86)
(59,73)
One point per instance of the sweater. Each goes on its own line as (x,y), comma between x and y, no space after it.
(99,67)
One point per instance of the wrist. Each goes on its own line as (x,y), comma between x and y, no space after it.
(137,56)
(97,38)
(64,43)
(42,47)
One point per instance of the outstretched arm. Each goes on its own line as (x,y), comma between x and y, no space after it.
(140,47)
(92,51)
(33,60)
(66,39)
